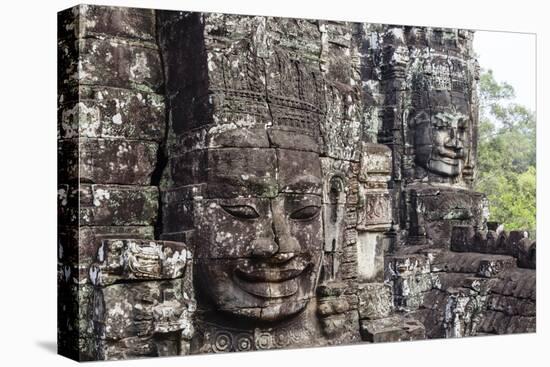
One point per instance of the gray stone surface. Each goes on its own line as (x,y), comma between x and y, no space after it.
(392,329)
(232,183)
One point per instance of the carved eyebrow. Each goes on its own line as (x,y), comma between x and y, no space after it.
(299,183)
(240,201)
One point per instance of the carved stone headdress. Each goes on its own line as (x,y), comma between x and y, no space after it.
(233,81)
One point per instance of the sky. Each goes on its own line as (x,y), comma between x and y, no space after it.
(512,57)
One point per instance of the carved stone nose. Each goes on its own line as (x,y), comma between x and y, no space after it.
(287,244)
(267,248)
(453,141)
(263,247)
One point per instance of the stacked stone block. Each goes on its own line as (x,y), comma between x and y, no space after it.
(110,126)
(457,294)
(374,218)
(143,299)
(516,244)
(415,78)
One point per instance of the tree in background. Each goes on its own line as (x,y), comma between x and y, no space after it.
(506,155)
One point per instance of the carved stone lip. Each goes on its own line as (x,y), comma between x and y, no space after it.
(271,282)
(286,288)
(269,274)
(453,155)
(448,161)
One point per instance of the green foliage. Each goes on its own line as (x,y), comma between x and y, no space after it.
(506,155)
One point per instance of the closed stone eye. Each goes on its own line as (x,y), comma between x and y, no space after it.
(306,213)
(241,211)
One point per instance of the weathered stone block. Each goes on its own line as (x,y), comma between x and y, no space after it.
(336,309)
(289,140)
(370,256)
(189,168)
(67,204)
(110,62)
(142,309)
(90,238)
(432,319)
(75,318)
(103,112)
(143,300)
(331,306)
(298,172)
(463,262)
(374,212)
(461,238)
(479,285)
(226,135)
(494,322)
(409,303)
(332,289)
(466,238)
(78,245)
(376,164)
(464,312)
(407,265)
(391,329)
(521,324)
(177,215)
(492,268)
(348,270)
(520,283)
(233,136)
(348,254)
(412,285)
(139,260)
(341,328)
(226,178)
(527,253)
(118,205)
(220,168)
(375,300)
(342,110)
(105,161)
(433,212)
(67,152)
(511,305)
(90,20)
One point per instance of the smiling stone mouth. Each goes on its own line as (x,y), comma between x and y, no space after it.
(448,160)
(453,160)
(450,154)
(270,282)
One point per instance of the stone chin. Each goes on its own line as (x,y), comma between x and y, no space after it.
(273,312)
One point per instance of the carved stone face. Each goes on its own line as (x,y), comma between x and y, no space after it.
(441,142)
(259,241)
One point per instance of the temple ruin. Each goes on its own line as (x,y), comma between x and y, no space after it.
(237,183)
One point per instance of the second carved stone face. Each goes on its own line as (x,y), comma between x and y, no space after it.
(441,142)
(259,241)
